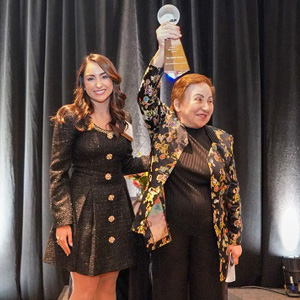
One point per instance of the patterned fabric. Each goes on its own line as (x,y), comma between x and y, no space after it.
(169,138)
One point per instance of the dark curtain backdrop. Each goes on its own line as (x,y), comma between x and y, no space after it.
(250,49)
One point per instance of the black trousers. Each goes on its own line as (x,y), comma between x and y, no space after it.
(139,278)
(187,268)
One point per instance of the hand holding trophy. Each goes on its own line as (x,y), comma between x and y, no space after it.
(175,60)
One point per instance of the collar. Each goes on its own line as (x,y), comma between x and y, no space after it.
(211,134)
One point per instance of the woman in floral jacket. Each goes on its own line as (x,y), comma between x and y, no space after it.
(190,214)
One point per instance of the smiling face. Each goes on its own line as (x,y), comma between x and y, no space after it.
(98,84)
(196,108)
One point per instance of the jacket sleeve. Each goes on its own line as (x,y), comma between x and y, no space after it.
(152,109)
(235,225)
(133,165)
(130,164)
(61,159)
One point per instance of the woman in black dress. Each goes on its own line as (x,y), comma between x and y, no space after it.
(91,208)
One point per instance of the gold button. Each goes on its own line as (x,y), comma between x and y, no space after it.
(108,176)
(111,197)
(109,156)
(111,239)
(111,219)
(110,136)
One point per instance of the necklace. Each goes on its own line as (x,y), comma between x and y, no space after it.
(109,133)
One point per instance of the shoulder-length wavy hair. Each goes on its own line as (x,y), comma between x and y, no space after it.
(82,107)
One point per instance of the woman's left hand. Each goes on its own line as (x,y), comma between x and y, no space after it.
(236,252)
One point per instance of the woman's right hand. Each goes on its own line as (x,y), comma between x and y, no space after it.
(64,238)
(165,31)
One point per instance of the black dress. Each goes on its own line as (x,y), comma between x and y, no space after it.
(94,200)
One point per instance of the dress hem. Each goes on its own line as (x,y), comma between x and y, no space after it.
(104,271)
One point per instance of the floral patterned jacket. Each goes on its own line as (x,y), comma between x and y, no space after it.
(168,139)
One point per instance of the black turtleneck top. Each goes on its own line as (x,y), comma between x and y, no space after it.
(188,200)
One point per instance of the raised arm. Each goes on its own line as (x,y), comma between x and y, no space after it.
(152,109)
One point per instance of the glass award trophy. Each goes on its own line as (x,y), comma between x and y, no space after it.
(175,60)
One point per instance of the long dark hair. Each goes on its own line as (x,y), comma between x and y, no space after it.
(82,106)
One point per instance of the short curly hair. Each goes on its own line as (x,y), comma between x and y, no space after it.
(183,82)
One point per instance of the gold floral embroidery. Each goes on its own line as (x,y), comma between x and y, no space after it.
(168,142)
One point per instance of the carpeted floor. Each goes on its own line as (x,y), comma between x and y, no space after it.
(234,294)
(257,294)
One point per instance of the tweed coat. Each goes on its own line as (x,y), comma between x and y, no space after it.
(93,199)
(168,140)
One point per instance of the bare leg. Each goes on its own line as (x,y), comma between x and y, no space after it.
(84,287)
(106,289)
